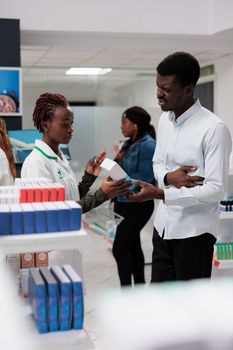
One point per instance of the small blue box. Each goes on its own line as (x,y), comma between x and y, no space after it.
(16,219)
(28,218)
(40,217)
(51,216)
(75,215)
(134,188)
(37,297)
(5,219)
(64,285)
(77,296)
(64,213)
(52,296)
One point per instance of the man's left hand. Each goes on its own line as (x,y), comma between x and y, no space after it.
(147,192)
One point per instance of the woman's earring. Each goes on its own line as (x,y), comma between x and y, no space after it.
(135,126)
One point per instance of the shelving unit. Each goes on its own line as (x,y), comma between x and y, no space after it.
(226,215)
(12,244)
(68,340)
(69,240)
(223,264)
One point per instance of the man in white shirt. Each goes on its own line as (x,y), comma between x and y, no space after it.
(191,164)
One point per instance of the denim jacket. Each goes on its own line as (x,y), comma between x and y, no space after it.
(137,162)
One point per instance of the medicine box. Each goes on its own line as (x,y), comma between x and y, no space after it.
(16,219)
(64,213)
(28,219)
(5,219)
(75,215)
(51,216)
(40,217)
(41,259)
(52,298)
(37,297)
(27,260)
(77,297)
(64,286)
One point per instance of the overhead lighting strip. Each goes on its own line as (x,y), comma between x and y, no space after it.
(88,71)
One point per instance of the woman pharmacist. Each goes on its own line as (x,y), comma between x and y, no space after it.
(53,117)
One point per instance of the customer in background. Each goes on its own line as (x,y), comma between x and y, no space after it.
(135,157)
(53,117)
(191,164)
(7,165)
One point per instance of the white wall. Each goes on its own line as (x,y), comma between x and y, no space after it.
(121,16)
(221,15)
(142,93)
(224,90)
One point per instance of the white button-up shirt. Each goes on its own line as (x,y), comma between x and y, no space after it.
(43,162)
(197,138)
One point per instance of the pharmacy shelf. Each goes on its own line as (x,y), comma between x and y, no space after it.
(69,240)
(69,340)
(44,241)
(226,215)
(223,264)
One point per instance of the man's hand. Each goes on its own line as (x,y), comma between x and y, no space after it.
(147,192)
(113,188)
(180,177)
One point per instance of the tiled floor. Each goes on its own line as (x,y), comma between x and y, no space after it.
(100,275)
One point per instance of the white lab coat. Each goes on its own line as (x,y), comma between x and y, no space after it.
(43,162)
(6,178)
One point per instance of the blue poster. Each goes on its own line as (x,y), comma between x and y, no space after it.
(10,91)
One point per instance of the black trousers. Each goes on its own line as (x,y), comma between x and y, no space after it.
(127,249)
(182,259)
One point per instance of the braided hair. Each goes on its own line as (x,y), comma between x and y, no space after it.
(45,107)
(6,147)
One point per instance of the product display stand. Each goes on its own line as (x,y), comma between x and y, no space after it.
(61,340)
(223,264)
(13,244)
(226,215)
(226,219)
(70,240)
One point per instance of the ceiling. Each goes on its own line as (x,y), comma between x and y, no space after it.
(45,56)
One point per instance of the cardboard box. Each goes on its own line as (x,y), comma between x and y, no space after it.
(41,259)
(27,260)
(13,261)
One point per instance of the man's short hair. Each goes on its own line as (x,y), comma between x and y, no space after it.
(183,65)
